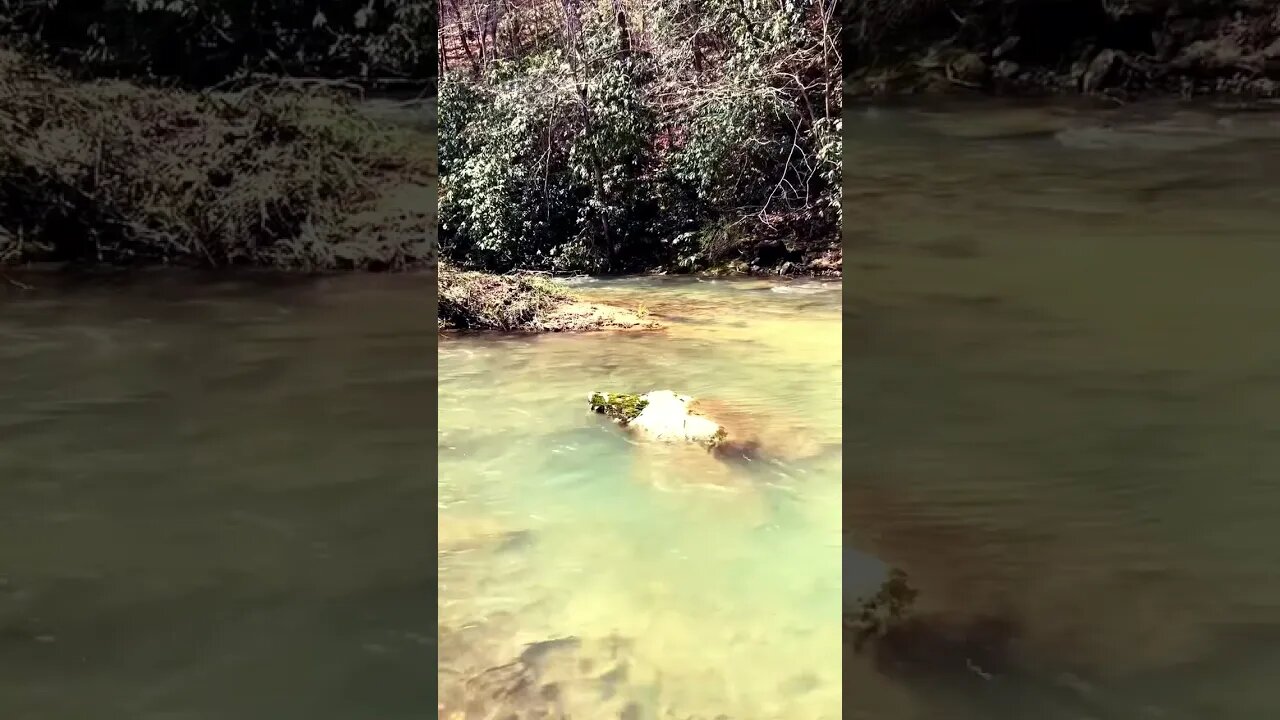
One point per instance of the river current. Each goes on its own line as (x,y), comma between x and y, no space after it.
(650,584)
(1061,408)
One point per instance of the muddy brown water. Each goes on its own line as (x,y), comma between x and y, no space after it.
(1061,407)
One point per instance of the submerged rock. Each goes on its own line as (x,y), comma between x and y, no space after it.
(485,676)
(462,534)
(728,433)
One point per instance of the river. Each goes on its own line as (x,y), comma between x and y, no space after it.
(213,498)
(1063,398)
(649,586)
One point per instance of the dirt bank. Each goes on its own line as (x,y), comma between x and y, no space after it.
(1116,48)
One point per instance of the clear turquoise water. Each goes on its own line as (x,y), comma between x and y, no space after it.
(722,585)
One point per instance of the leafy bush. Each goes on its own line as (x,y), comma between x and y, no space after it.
(613,150)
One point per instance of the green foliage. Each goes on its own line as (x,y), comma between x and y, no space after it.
(613,151)
(534,176)
(111,173)
(205,41)
(621,407)
(505,184)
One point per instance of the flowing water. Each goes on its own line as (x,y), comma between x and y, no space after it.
(214,500)
(638,581)
(1064,395)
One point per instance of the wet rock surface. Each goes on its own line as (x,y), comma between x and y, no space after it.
(729,433)
(552,679)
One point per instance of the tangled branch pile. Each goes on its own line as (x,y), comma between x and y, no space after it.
(630,136)
(109,173)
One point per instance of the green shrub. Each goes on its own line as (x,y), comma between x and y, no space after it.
(618,151)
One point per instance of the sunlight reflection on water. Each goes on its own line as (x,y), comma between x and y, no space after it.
(726,597)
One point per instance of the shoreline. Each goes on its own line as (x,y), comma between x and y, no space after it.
(425,269)
(1119,52)
(529,303)
(60,274)
(1244,101)
(980,99)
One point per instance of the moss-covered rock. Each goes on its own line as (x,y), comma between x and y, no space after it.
(661,415)
(621,407)
(522,302)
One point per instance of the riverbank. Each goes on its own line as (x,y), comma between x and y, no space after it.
(112,173)
(766,258)
(523,302)
(1122,50)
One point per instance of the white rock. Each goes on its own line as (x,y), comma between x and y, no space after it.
(669,417)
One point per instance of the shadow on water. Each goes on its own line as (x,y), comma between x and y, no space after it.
(1065,411)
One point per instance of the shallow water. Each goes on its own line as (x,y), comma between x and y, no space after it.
(212,500)
(1063,395)
(693,589)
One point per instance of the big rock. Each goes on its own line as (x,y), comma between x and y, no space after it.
(661,415)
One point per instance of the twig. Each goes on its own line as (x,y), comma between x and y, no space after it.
(16,283)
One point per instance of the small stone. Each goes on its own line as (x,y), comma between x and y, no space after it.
(1100,71)
(968,68)
(1265,88)
(1005,47)
(1078,69)
(1214,55)
(1007,69)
